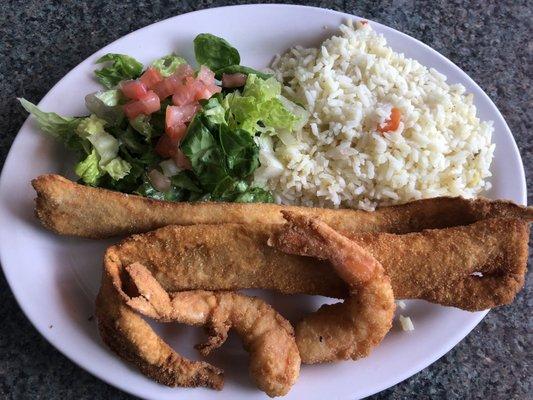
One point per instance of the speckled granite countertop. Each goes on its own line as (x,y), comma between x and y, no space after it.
(490,40)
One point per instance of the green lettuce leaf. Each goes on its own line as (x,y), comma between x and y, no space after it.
(142,124)
(60,128)
(88,169)
(240,151)
(117,168)
(261,89)
(222,160)
(214,52)
(240,69)
(185,180)
(167,65)
(107,105)
(274,114)
(92,129)
(260,107)
(214,113)
(122,67)
(254,195)
(105,145)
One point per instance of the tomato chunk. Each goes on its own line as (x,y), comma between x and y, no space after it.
(133,108)
(148,104)
(206,76)
(393,122)
(176,132)
(179,115)
(186,93)
(233,80)
(174,82)
(133,89)
(151,77)
(181,160)
(166,147)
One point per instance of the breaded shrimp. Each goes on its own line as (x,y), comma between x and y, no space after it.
(274,357)
(130,337)
(345,330)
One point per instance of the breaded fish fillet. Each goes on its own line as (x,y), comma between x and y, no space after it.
(440,265)
(68,208)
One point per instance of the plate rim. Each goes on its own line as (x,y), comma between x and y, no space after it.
(444,349)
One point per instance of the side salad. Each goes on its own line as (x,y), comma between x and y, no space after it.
(172,132)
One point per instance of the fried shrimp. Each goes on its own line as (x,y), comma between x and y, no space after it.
(131,338)
(274,356)
(344,330)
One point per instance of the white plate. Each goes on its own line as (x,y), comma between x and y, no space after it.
(55,279)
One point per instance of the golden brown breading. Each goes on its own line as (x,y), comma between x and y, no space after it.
(350,329)
(435,265)
(71,209)
(128,335)
(274,356)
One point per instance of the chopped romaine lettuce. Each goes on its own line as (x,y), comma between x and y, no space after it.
(92,129)
(260,107)
(214,112)
(141,124)
(117,168)
(240,69)
(106,105)
(105,145)
(184,180)
(221,158)
(122,67)
(61,128)
(274,114)
(88,169)
(167,65)
(254,195)
(261,89)
(240,151)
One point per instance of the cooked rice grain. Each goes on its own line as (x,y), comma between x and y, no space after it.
(349,86)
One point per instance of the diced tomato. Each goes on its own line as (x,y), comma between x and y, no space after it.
(393,122)
(166,147)
(184,70)
(186,93)
(206,76)
(148,104)
(151,103)
(206,91)
(179,115)
(133,89)
(167,86)
(151,77)
(133,108)
(233,80)
(176,132)
(181,160)
(174,82)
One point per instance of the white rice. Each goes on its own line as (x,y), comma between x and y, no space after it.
(340,159)
(406,323)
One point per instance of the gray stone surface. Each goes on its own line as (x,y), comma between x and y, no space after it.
(41,41)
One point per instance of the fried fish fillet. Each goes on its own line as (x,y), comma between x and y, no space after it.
(472,267)
(68,208)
